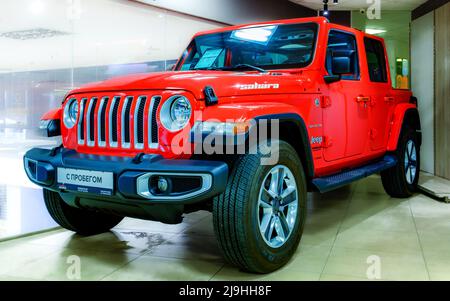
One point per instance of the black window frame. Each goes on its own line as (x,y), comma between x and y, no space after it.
(357,75)
(382,58)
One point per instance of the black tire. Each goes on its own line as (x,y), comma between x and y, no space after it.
(236,221)
(395,180)
(78,220)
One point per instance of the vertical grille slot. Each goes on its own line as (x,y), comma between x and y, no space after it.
(139,122)
(153,125)
(90,122)
(125,118)
(113,111)
(101,121)
(81,121)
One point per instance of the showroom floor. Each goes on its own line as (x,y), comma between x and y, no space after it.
(348,233)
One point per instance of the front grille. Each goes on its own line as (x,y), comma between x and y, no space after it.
(118,121)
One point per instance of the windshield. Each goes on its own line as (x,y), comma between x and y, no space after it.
(265,47)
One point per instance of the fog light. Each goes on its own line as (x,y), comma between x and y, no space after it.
(162,184)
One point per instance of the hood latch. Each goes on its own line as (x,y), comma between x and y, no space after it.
(210,96)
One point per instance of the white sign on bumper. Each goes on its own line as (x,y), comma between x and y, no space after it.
(79,180)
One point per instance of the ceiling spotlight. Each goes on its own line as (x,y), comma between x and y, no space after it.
(325,8)
(374,31)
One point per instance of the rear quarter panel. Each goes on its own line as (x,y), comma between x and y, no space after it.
(398,115)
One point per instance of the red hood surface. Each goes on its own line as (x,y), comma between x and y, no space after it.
(225,84)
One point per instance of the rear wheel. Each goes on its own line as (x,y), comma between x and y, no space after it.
(78,220)
(401,180)
(259,219)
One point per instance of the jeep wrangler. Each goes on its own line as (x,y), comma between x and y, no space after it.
(140,145)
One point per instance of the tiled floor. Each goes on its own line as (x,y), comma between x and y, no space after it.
(350,233)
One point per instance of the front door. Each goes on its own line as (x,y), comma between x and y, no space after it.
(346,119)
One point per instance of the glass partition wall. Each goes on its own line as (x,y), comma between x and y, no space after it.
(48,47)
(394,27)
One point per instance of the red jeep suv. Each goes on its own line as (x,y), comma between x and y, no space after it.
(250,119)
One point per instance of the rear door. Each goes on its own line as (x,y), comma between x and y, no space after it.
(381,101)
(346,119)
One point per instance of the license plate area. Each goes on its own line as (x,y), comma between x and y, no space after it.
(86,181)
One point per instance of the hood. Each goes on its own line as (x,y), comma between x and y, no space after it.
(225,84)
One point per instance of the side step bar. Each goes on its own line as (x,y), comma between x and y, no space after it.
(341,179)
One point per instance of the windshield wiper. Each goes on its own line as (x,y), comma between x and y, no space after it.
(236,67)
(209,69)
(246,66)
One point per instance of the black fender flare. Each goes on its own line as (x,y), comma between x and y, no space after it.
(411,119)
(304,147)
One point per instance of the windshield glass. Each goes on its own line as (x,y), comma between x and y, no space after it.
(266,47)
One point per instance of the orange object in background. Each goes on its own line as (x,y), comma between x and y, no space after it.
(402,82)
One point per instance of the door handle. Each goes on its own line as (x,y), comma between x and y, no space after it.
(389,99)
(362,99)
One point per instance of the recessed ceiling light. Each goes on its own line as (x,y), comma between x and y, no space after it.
(374,31)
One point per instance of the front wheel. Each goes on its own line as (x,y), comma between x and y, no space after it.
(78,220)
(259,219)
(401,180)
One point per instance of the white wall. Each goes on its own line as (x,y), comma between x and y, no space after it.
(422,66)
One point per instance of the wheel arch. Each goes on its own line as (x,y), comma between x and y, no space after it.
(52,114)
(405,115)
(293,127)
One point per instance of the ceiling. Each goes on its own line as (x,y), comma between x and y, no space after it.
(358,4)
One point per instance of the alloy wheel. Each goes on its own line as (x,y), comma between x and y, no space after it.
(277,206)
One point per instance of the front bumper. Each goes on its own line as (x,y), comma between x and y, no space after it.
(132,178)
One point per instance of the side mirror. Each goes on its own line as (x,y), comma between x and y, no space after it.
(340,65)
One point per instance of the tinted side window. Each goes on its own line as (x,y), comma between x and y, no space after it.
(343,44)
(376,60)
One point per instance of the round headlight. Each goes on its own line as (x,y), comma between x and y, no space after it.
(71,113)
(180,112)
(176,112)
